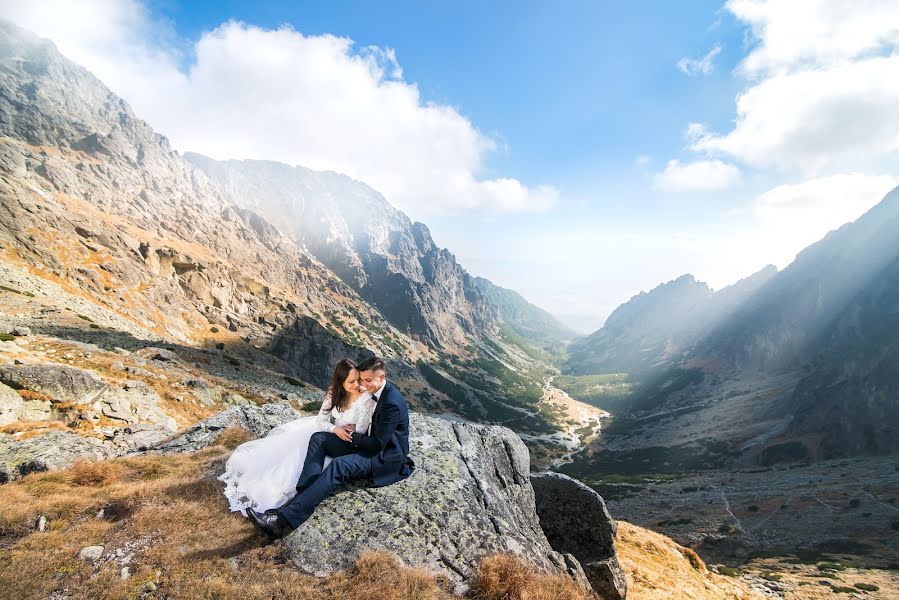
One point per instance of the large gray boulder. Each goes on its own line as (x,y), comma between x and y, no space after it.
(134,402)
(48,452)
(10,405)
(469,497)
(71,392)
(60,383)
(576,521)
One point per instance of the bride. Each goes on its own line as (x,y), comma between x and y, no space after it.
(262,474)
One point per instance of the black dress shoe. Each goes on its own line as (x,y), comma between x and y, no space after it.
(273,525)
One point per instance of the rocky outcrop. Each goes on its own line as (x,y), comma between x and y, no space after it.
(374,248)
(470,496)
(11,405)
(60,449)
(60,383)
(576,521)
(72,393)
(48,452)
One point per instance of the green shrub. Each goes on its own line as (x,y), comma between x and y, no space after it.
(868,587)
(842,589)
(85,318)
(729,571)
(6,337)
(94,326)
(220,346)
(15,291)
(311,406)
(214,329)
(293,381)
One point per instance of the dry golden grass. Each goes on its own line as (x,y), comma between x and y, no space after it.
(505,577)
(657,568)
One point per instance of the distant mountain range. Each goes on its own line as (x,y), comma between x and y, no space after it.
(781,366)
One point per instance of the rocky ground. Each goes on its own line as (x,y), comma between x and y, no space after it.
(777,526)
(157,526)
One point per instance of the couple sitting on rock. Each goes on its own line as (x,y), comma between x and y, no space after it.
(360,433)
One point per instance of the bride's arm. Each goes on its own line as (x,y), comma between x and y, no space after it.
(366,410)
(324,415)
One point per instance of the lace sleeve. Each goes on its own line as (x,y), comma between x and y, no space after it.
(365,413)
(324,414)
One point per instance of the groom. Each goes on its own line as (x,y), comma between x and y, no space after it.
(381,453)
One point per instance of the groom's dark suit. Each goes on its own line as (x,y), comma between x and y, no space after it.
(382,454)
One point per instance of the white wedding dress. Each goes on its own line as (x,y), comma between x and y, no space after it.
(262,474)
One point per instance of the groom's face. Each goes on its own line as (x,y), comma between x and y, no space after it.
(372,380)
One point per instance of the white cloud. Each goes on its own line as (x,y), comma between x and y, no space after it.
(318,101)
(702,66)
(823,86)
(702,175)
(815,32)
(814,119)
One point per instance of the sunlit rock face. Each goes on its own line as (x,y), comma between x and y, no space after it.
(374,248)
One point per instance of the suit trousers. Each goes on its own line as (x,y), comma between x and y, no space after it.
(316,484)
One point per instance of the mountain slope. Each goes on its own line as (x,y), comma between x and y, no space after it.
(94,199)
(802,364)
(374,248)
(96,204)
(659,326)
(523,318)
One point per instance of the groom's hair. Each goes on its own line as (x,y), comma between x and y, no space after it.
(372,364)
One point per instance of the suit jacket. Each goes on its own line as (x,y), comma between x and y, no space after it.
(388,444)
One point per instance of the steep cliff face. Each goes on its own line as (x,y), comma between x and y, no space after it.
(788,320)
(374,248)
(849,403)
(96,200)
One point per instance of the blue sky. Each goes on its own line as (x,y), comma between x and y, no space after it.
(576,90)
(577,152)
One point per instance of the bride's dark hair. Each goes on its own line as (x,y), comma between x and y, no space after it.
(339,396)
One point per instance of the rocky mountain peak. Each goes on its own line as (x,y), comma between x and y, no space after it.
(376,249)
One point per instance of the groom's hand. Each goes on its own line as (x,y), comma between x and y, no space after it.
(343,433)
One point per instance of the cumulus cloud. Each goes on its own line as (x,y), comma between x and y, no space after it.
(822,89)
(815,32)
(701,66)
(316,100)
(702,175)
